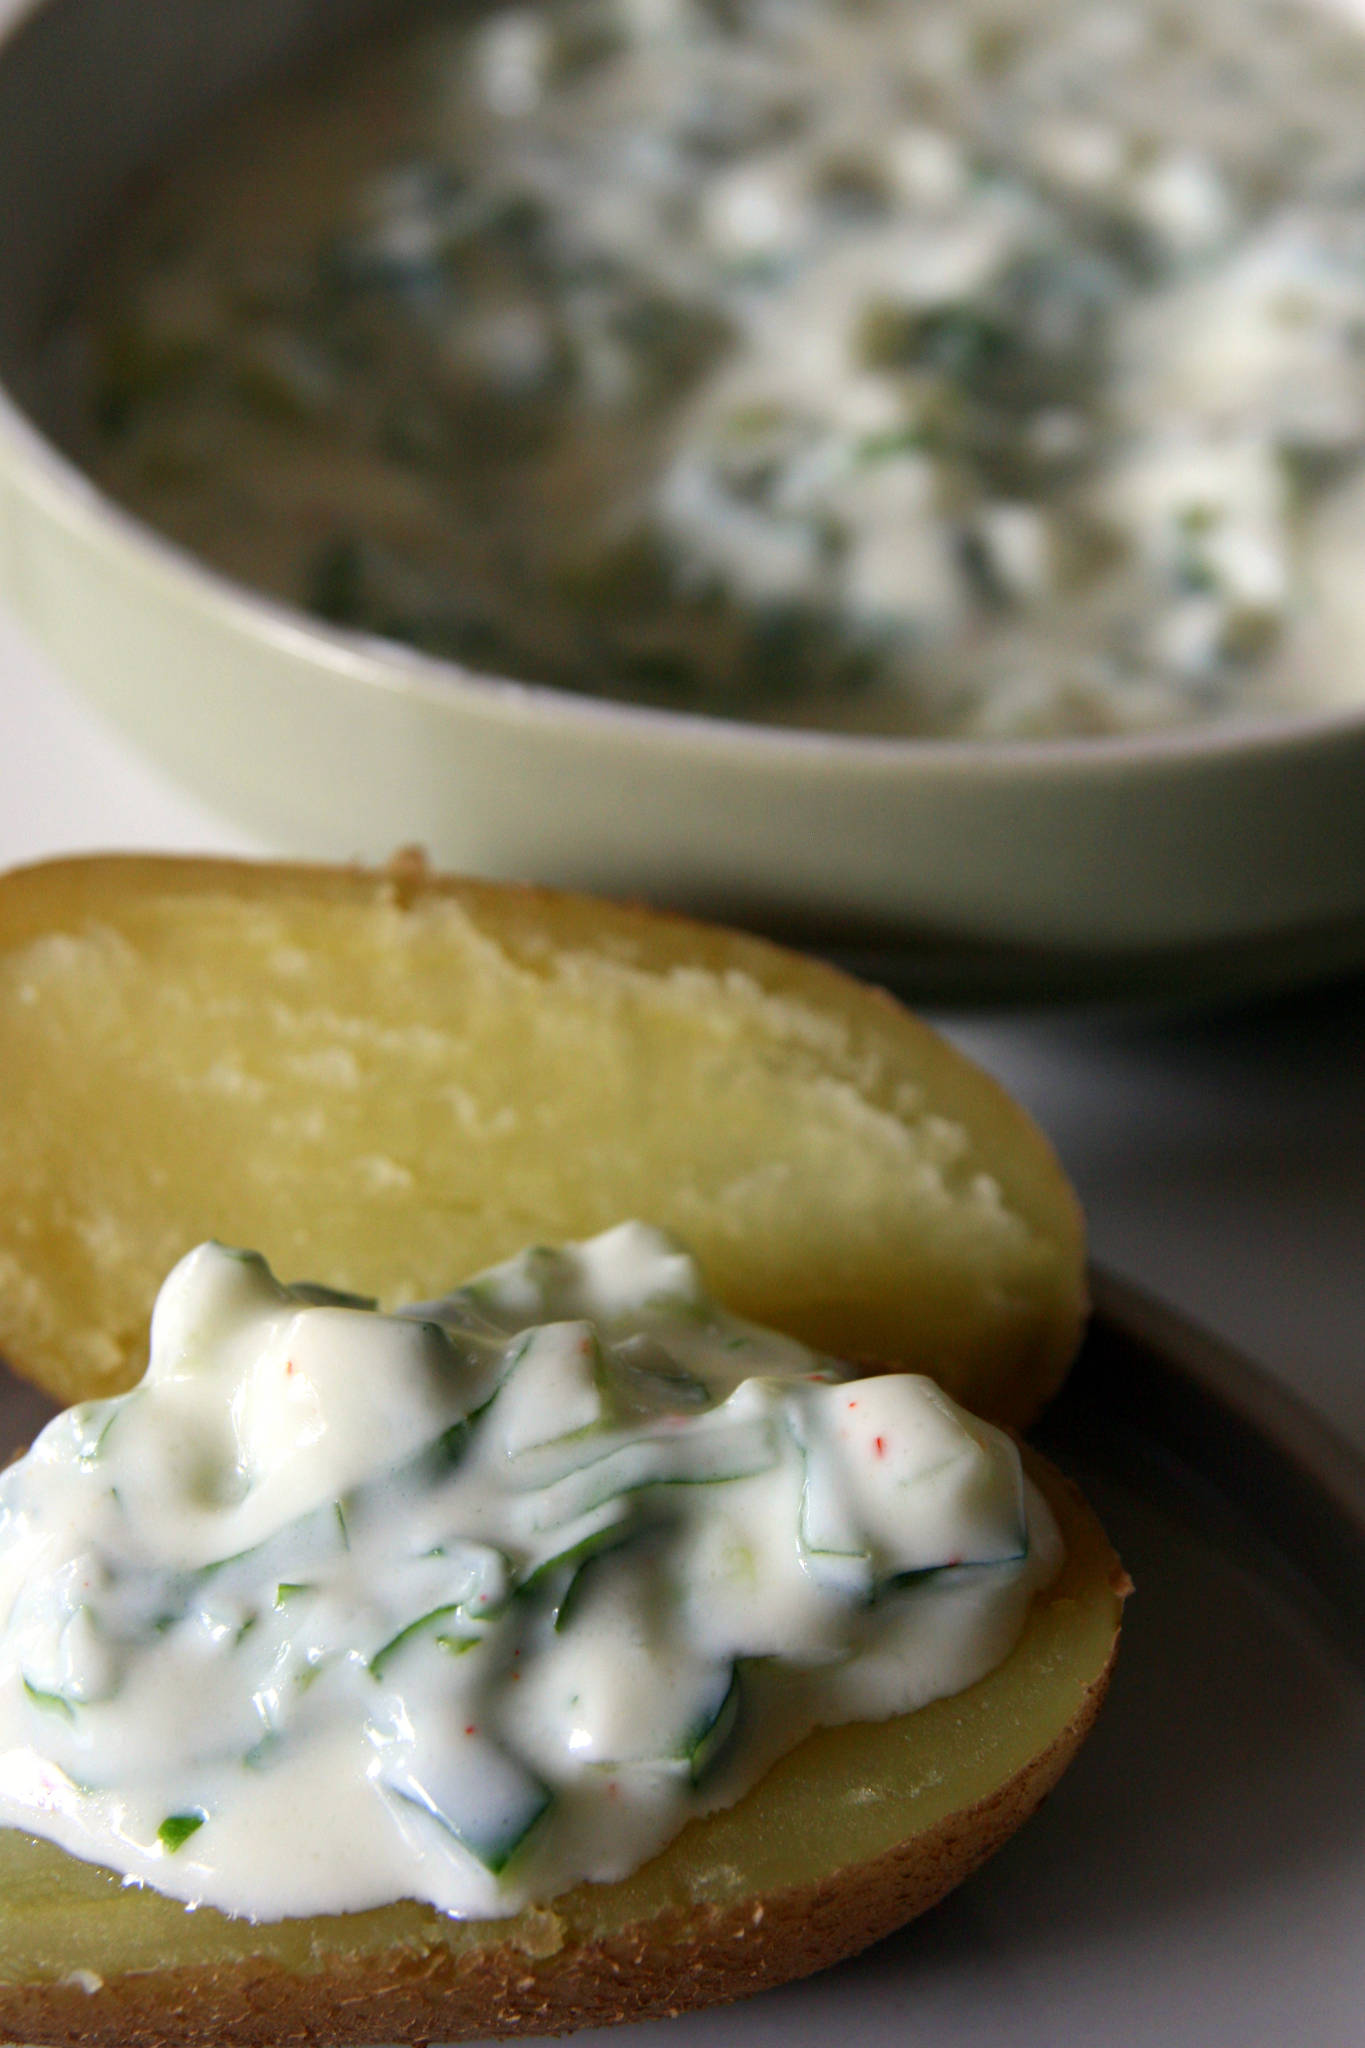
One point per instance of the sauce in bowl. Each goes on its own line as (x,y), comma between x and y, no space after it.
(971,371)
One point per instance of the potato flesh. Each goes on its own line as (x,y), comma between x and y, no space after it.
(385,1087)
(844,1798)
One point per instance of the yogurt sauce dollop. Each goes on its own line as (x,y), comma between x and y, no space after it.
(467,1603)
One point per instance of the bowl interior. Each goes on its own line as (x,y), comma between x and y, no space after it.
(118,81)
(1176,862)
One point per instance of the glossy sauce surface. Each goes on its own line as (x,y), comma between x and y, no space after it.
(978,372)
(469,1603)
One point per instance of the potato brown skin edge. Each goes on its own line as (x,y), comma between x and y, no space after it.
(657,1970)
(680,1959)
(672,1962)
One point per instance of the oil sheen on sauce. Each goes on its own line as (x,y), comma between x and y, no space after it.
(470,1602)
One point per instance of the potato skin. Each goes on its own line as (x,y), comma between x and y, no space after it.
(1004,1322)
(674,1959)
(702,1956)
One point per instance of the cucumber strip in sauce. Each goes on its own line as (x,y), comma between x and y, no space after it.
(734,1451)
(581,1561)
(51,1702)
(383,1657)
(557,1389)
(713,1733)
(476,1578)
(483,1798)
(897,1479)
(602,1528)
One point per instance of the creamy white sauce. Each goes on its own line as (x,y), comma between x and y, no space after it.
(985,369)
(470,1602)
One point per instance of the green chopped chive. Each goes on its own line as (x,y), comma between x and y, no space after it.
(457,1645)
(52,1702)
(340,1512)
(891,441)
(288,1589)
(684,1306)
(314,1295)
(710,1739)
(177,1828)
(245,1630)
(92,1450)
(452,1441)
(390,1649)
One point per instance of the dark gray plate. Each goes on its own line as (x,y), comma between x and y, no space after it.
(1198,1879)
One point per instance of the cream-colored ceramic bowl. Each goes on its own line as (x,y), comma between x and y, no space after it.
(1194,860)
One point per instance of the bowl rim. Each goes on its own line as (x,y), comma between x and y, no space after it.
(43,471)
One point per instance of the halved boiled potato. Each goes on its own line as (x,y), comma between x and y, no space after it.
(846,1838)
(387,1081)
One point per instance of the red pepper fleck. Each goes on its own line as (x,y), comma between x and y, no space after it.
(879,1445)
(289,1365)
(853,1404)
(471,1729)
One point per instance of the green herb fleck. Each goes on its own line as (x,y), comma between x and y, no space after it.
(457,1645)
(390,1649)
(52,1702)
(177,1828)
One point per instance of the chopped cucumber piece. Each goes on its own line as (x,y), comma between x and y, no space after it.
(474,1580)
(655,1381)
(620,1683)
(584,1558)
(312,1294)
(452,1445)
(482,1797)
(832,1544)
(732,1450)
(90,1424)
(910,1483)
(713,1734)
(556,1388)
(383,1657)
(601,1527)
(456,1645)
(308,1544)
(50,1702)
